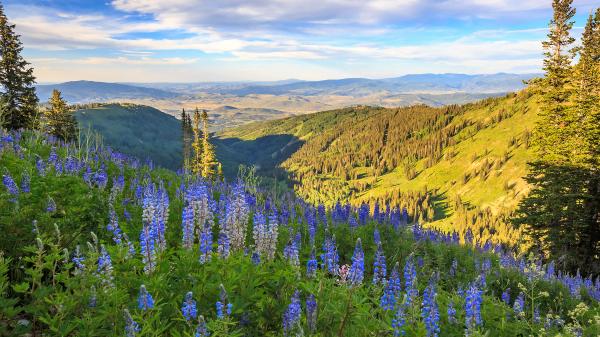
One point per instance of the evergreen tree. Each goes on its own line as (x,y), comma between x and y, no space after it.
(209,159)
(18,102)
(59,120)
(186,131)
(561,210)
(197,145)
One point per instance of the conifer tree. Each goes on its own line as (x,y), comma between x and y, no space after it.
(59,120)
(209,159)
(18,102)
(197,145)
(186,132)
(561,211)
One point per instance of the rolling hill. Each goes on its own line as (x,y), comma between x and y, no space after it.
(457,158)
(136,130)
(89,91)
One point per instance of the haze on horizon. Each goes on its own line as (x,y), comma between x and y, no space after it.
(261,40)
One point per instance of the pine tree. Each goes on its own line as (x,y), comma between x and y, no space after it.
(197,145)
(186,132)
(209,159)
(18,102)
(561,210)
(59,120)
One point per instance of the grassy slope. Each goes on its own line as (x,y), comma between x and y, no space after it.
(491,142)
(140,131)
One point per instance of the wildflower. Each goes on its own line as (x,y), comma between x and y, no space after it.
(399,321)
(255,258)
(379,266)
(292,249)
(201,328)
(78,260)
(265,235)
(105,267)
(188,309)
(311,265)
(519,305)
(376,237)
(291,317)
(473,302)
(236,218)
(453,268)
(25,182)
(223,245)
(131,326)
(410,280)
(51,206)
(147,242)
(429,312)
(506,296)
(451,313)
(187,225)
(113,225)
(145,300)
(11,186)
(311,313)
(330,257)
(357,269)
(223,303)
(388,298)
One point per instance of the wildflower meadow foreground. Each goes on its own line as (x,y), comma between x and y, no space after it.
(95,243)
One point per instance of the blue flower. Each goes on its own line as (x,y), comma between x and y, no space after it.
(398,321)
(429,311)
(206,242)
(519,305)
(25,182)
(473,301)
(357,269)
(311,313)
(148,247)
(311,265)
(145,300)
(451,313)
(201,328)
(330,257)
(11,186)
(105,267)
(379,266)
(188,227)
(410,280)
(291,317)
(188,309)
(131,326)
(506,296)
(223,245)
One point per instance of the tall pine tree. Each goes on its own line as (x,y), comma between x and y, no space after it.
(561,211)
(59,120)
(187,136)
(18,102)
(197,145)
(209,159)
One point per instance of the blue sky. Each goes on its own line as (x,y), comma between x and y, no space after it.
(231,40)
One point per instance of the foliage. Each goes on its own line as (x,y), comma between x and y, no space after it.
(59,120)
(98,282)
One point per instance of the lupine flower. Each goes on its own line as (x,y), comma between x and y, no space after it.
(379,266)
(292,249)
(236,218)
(113,226)
(223,303)
(352,222)
(311,313)
(40,167)
(187,226)
(201,328)
(506,296)
(453,268)
(399,321)
(51,206)
(131,326)
(206,242)
(223,245)
(145,300)
(357,270)
(330,257)
(311,224)
(105,267)
(25,182)
(473,302)
(363,214)
(147,242)
(519,305)
(291,317)
(188,308)
(78,260)
(265,235)
(410,281)
(429,311)
(311,265)
(376,236)
(451,313)
(11,186)
(93,300)
(388,298)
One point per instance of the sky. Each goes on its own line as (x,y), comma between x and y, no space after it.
(265,40)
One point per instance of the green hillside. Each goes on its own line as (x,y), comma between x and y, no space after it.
(137,130)
(456,158)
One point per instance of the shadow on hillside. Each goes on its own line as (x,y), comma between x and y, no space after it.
(267,153)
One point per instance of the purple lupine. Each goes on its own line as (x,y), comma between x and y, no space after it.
(410,280)
(223,247)
(363,214)
(236,217)
(357,269)
(330,257)
(113,225)
(145,300)
(223,303)
(187,227)
(399,321)
(206,241)
(78,260)
(311,313)
(291,252)
(451,313)
(25,182)
(506,296)
(201,328)
(188,308)
(51,205)
(379,266)
(311,264)
(131,326)
(519,305)
(473,300)
(148,247)
(11,186)
(376,236)
(429,311)
(105,267)
(291,317)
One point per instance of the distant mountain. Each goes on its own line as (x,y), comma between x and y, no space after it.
(137,130)
(421,83)
(89,91)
